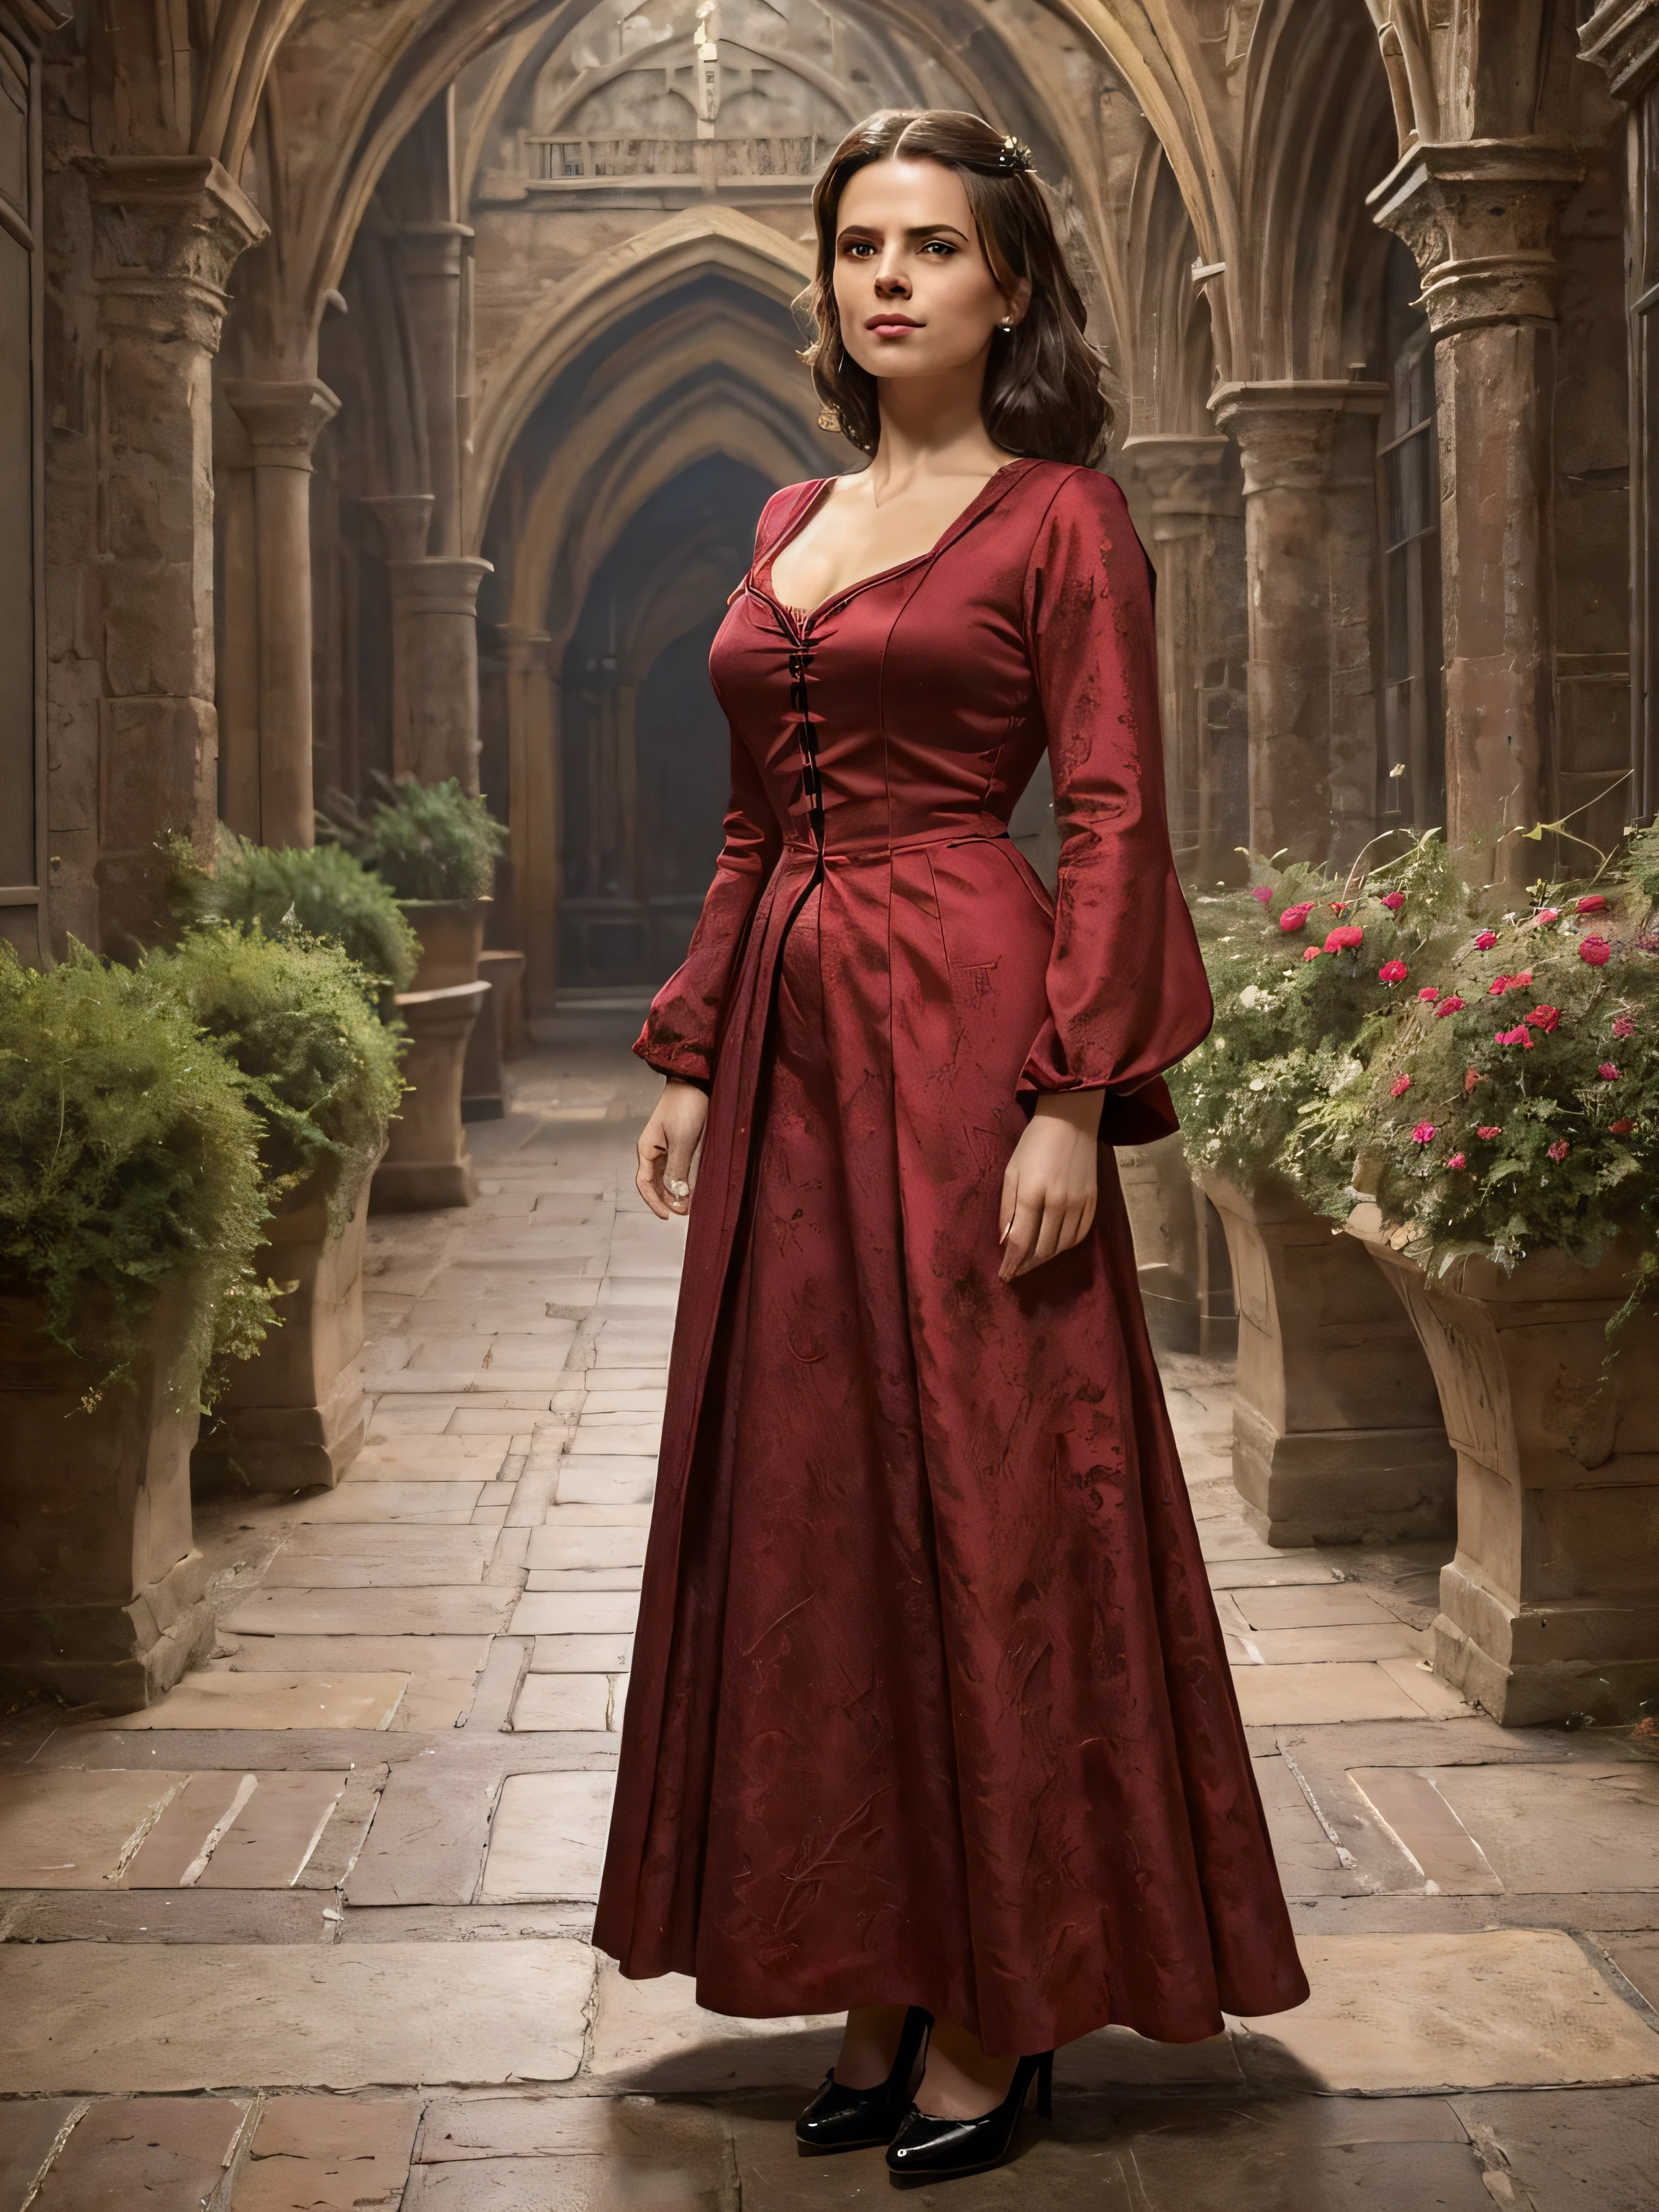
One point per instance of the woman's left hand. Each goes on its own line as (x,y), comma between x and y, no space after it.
(1049,1192)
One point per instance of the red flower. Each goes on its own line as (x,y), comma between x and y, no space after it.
(1295,917)
(1607,1072)
(1546,914)
(1559,1149)
(1493,1129)
(1520,1035)
(1400,1087)
(1262,891)
(1457,1160)
(1423,1133)
(1594,904)
(1452,1006)
(1345,938)
(1429,993)
(1624,1025)
(1393,971)
(1499,984)
(1394,900)
(1594,951)
(1486,941)
(1621,1128)
(1544,1017)
(1312,952)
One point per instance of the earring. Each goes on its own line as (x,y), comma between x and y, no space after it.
(1006,324)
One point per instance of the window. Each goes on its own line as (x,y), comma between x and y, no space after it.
(1412,763)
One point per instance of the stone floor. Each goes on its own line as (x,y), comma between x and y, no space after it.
(313,1932)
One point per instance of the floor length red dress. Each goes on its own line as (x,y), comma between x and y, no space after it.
(929,1702)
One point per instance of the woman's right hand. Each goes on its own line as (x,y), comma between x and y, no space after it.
(668,1146)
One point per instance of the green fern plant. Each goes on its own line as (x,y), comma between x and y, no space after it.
(129,1161)
(299,891)
(425,842)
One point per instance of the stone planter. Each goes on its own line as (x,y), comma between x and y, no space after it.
(293,1415)
(1337,1434)
(426,1162)
(483,1091)
(1180,1254)
(1551,1607)
(101,1587)
(452,933)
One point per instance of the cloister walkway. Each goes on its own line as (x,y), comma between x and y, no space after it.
(311,1933)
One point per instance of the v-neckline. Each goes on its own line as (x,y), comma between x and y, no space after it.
(801,620)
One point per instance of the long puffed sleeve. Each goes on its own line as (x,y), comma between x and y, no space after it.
(1128,994)
(682,1029)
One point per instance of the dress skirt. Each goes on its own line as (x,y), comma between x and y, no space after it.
(930,1705)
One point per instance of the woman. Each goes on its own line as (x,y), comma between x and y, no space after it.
(930,1718)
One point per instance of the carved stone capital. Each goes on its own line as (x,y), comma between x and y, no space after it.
(281,419)
(168,229)
(1188,477)
(441,583)
(1306,435)
(1479,218)
(525,651)
(1622,37)
(405,518)
(433,249)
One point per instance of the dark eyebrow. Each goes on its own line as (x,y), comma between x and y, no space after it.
(917,230)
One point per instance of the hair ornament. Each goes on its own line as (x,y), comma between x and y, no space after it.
(1014,157)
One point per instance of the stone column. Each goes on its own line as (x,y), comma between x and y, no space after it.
(434,263)
(1311,549)
(1198,538)
(435,645)
(281,420)
(167,229)
(1479,218)
(538,831)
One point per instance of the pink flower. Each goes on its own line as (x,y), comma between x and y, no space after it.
(1544,1017)
(1262,891)
(1486,941)
(1624,1025)
(1493,1129)
(1312,952)
(1559,1149)
(1620,1129)
(1499,984)
(1594,904)
(1457,1160)
(1452,1006)
(1429,993)
(1594,951)
(1295,917)
(1545,914)
(1400,1087)
(1393,971)
(1607,1072)
(1423,1133)
(1345,940)
(1394,900)
(1520,1035)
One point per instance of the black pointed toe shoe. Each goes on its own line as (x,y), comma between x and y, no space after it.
(926,2149)
(857,2119)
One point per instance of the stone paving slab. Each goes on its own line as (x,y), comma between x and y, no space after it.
(28,2132)
(351,1556)
(461,1609)
(322,1655)
(653,2036)
(144,2151)
(273,1701)
(564,1701)
(546,1580)
(1321,1604)
(1597,2150)
(547,1838)
(581,1655)
(1637,1957)
(92,2017)
(1329,1691)
(569,1612)
(606,1479)
(427,1841)
(438,1502)
(78,1830)
(329,2154)
(1516,2006)
(175,1916)
(1531,1821)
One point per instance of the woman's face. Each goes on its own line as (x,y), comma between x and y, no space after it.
(916,294)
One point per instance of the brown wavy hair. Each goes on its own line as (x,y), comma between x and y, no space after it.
(1042,396)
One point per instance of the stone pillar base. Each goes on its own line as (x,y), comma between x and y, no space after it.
(426,1163)
(1342,1486)
(1532,1664)
(118,1657)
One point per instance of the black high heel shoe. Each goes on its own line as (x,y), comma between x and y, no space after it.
(926,2150)
(856,2119)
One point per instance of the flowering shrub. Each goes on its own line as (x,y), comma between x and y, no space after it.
(1528,1115)
(1308,972)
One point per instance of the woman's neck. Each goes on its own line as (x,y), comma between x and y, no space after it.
(931,427)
